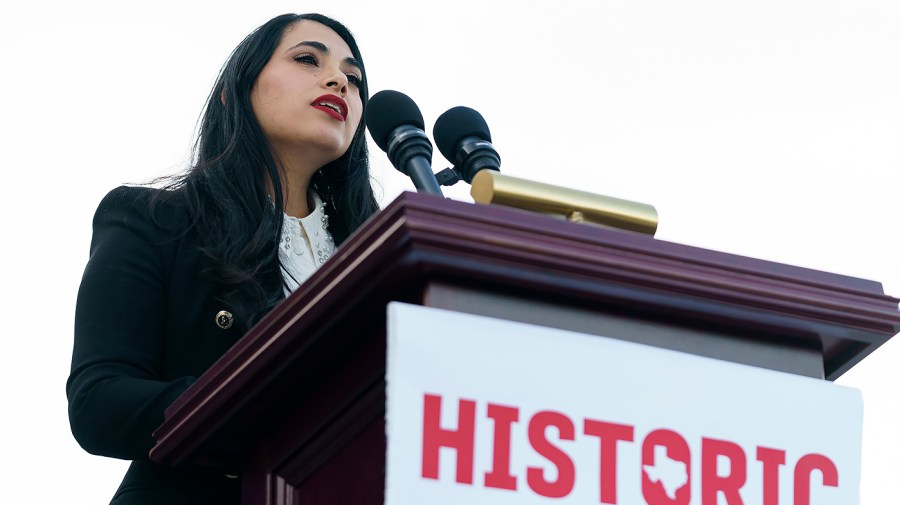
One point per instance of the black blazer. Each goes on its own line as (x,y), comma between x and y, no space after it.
(145,327)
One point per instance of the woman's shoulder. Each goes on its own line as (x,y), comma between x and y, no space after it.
(139,198)
(162,208)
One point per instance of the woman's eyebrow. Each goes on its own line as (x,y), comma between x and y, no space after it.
(324,50)
(353,62)
(310,43)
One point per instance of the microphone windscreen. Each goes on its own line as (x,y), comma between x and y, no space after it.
(386,111)
(455,125)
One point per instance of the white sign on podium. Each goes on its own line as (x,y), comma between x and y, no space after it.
(482,410)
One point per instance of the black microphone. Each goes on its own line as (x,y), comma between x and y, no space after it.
(464,139)
(396,125)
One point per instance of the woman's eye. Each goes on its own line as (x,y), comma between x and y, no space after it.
(306,58)
(354,80)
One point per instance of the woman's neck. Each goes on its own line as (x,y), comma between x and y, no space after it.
(296,198)
(296,177)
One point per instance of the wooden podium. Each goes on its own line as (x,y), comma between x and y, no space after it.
(296,408)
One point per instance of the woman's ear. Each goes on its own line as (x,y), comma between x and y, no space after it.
(222,97)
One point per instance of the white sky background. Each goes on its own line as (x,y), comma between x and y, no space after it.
(768,129)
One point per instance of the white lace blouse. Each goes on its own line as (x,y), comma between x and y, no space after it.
(305,244)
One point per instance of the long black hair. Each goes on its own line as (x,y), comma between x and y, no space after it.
(225,189)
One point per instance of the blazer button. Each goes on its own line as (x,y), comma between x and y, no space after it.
(224,319)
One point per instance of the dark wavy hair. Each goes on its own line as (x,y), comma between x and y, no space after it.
(225,188)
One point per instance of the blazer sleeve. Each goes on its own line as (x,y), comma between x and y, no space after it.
(115,391)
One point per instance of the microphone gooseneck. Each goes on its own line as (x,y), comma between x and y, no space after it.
(463,137)
(396,126)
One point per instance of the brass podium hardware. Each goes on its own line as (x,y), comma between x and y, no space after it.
(490,186)
(224,319)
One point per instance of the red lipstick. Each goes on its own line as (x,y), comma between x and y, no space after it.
(332,105)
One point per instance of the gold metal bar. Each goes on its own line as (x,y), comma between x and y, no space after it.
(490,186)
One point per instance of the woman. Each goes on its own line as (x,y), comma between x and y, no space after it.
(176,276)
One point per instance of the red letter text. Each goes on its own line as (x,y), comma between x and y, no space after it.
(711,482)
(462,440)
(771,459)
(565,479)
(803,472)
(609,434)
(499,476)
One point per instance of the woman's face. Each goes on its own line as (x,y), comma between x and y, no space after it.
(307,97)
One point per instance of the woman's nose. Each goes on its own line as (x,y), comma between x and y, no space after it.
(338,82)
